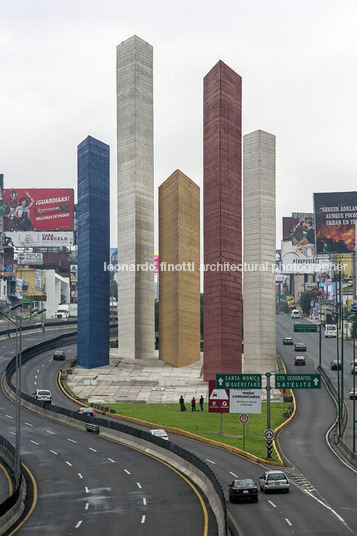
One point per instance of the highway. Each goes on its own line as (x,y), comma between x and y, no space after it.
(322,500)
(88,485)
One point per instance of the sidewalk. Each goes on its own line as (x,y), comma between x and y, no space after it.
(145,380)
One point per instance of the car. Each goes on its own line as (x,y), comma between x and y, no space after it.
(89,412)
(243,489)
(300,360)
(59,356)
(274,481)
(44,395)
(354,369)
(353,394)
(300,347)
(336,365)
(159,433)
(288,340)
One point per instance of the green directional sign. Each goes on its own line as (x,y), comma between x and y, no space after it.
(306,328)
(238,381)
(297,381)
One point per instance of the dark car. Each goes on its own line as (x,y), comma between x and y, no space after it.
(288,340)
(243,489)
(300,360)
(336,365)
(300,347)
(59,356)
(89,412)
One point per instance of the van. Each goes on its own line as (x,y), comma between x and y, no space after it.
(295,313)
(330,330)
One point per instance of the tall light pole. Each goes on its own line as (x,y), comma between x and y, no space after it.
(17,320)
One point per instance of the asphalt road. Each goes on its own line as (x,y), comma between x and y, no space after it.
(88,485)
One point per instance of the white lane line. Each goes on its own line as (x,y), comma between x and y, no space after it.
(28,424)
(9,417)
(126,471)
(31,441)
(274,505)
(111,460)
(288,522)
(210,461)
(49,432)
(143,519)
(36,377)
(235,476)
(80,476)
(72,440)
(13,433)
(69,463)
(35,383)
(38,370)
(90,448)
(78,524)
(139,485)
(87,490)
(43,365)
(54,452)
(144,501)
(86,506)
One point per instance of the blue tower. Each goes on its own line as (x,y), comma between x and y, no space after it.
(93,252)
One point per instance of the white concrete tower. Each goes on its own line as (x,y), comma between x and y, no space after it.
(135,197)
(259,253)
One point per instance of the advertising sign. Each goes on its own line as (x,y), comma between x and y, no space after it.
(38,209)
(335,216)
(39,239)
(1,210)
(30,258)
(38,279)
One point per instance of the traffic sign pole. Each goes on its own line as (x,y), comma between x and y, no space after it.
(268,388)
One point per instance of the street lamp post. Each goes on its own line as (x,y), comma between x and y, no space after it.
(17,320)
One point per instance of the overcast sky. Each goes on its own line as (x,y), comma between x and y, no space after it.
(297,60)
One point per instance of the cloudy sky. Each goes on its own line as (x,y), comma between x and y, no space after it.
(297,60)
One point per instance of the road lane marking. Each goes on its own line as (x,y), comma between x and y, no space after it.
(86,506)
(274,505)
(13,433)
(80,476)
(210,461)
(111,460)
(90,448)
(49,432)
(235,476)
(28,424)
(72,440)
(126,471)
(86,489)
(143,519)
(139,485)
(54,452)
(144,501)
(9,417)
(31,441)
(69,463)
(288,522)
(78,524)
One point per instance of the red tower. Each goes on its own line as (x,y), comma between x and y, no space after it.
(222,152)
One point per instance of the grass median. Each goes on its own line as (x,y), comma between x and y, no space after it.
(208,425)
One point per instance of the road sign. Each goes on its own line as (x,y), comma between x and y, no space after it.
(238,381)
(245,400)
(218,399)
(297,381)
(269,434)
(284,391)
(243,418)
(306,328)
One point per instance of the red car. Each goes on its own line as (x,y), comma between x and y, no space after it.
(300,360)
(242,490)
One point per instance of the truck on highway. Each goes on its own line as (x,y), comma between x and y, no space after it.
(330,330)
(67,310)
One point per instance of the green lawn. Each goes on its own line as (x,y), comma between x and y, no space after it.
(208,425)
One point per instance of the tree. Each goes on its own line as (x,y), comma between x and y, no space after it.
(305,301)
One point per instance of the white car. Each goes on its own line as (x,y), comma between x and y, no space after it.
(274,480)
(44,395)
(160,433)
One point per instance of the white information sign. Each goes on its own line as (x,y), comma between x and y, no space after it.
(245,400)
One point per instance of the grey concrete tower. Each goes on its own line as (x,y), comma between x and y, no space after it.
(135,198)
(259,252)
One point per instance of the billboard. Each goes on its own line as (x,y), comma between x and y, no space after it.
(30,258)
(298,245)
(38,209)
(36,239)
(1,210)
(335,216)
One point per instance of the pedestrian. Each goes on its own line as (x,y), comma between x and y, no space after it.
(201,403)
(182,404)
(193,404)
